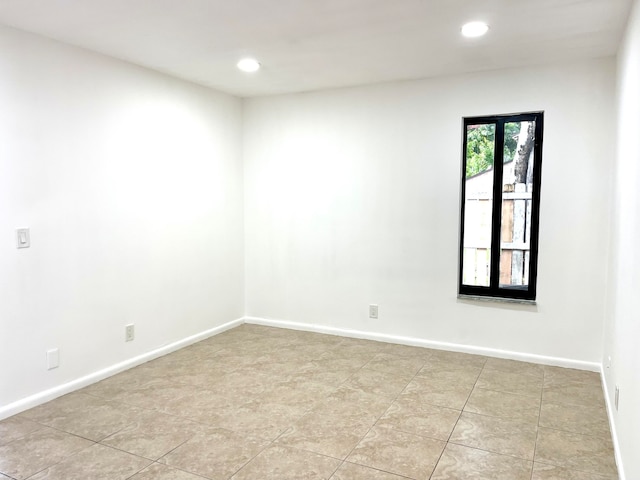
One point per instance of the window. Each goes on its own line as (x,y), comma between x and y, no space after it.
(501,175)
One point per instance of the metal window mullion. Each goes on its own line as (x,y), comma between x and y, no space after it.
(496,214)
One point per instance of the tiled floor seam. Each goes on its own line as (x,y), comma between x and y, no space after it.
(535,447)
(574,469)
(490,451)
(514,420)
(465,403)
(59,429)
(456,424)
(372,468)
(413,433)
(487,451)
(508,371)
(143,468)
(509,393)
(381,415)
(64,459)
(162,464)
(606,437)
(26,434)
(251,459)
(308,451)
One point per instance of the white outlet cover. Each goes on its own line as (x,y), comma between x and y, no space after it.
(53,358)
(129,332)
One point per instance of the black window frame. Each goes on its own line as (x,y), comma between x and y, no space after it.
(494,290)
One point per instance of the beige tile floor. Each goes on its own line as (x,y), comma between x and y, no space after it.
(263,403)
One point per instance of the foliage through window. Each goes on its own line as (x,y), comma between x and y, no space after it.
(501,176)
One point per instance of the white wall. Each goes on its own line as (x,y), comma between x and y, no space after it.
(352,198)
(131,183)
(622,325)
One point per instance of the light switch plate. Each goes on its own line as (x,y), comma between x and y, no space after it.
(22,238)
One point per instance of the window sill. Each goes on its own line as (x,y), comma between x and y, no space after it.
(479,298)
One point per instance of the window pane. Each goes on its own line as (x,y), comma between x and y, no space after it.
(480,152)
(517,187)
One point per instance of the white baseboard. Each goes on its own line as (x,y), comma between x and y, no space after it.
(612,427)
(68,387)
(418,342)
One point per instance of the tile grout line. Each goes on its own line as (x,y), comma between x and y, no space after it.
(65,458)
(458,420)
(342,461)
(273,442)
(535,446)
(383,413)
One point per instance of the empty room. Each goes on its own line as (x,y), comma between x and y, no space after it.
(319,239)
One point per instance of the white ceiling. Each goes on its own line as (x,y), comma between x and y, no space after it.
(316,44)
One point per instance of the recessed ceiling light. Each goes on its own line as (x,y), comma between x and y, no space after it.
(248,65)
(474,29)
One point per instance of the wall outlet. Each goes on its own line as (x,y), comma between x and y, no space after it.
(53,358)
(616,398)
(373,311)
(129,332)
(608,362)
